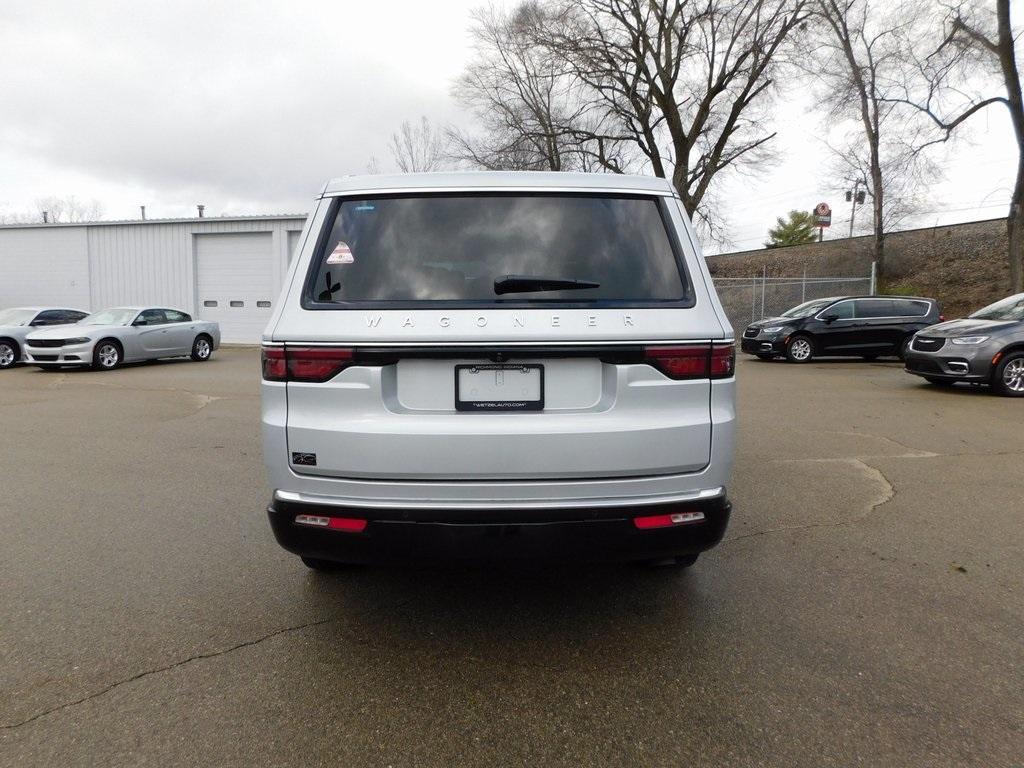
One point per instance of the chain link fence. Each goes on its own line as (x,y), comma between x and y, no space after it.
(747,299)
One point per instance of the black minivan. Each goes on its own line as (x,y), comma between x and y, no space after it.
(847,326)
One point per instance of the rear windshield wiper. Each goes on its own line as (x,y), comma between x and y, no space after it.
(527,283)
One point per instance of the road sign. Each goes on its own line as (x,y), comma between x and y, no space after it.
(822,215)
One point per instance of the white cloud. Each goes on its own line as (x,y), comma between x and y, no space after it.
(250,107)
(254,107)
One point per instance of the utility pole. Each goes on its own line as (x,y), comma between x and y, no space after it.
(857,196)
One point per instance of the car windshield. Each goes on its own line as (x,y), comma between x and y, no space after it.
(496,248)
(1007,309)
(16,316)
(807,309)
(110,317)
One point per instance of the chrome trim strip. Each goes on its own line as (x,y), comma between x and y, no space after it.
(499,343)
(928,309)
(626,501)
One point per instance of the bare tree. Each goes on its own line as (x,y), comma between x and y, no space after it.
(533,114)
(861,55)
(680,88)
(13,217)
(905,178)
(957,79)
(68,209)
(688,83)
(416,148)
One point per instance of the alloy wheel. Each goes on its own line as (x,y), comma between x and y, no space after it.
(202,349)
(1013,375)
(108,355)
(6,355)
(800,349)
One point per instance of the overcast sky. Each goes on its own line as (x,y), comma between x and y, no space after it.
(249,108)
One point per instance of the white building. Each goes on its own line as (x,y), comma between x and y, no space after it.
(228,269)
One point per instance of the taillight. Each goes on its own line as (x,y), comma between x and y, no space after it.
(274,368)
(723,360)
(680,362)
(310,364)
(942,318)
(698,361)
(316,364)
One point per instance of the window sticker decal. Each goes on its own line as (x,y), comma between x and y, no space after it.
(341,254)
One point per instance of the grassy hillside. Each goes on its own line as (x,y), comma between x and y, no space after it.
(962,265)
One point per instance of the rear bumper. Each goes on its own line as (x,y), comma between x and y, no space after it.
(412,535)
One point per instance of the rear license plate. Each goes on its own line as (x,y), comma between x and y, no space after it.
(499,387)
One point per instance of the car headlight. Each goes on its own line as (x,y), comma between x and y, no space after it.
(773,329)
(970,339)
(79,340)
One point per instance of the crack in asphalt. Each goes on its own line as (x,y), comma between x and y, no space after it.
(888,494)
(167,668)
(917,452)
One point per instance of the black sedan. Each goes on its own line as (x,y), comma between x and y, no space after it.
(985,348)
(845,326)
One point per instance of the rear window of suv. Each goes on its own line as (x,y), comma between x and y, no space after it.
(450,248)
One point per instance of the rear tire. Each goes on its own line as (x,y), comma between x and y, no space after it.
(322,566)
(1008,377)
(679,561)
(799,349)
(202,348)
(9,353)
(107,355)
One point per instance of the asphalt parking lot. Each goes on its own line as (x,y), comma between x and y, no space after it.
(866,608)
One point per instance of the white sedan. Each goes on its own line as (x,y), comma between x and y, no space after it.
(110,337)
(17,323)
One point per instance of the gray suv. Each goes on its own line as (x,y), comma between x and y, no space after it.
(985,348)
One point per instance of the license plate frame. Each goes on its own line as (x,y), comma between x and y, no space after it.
(491,406)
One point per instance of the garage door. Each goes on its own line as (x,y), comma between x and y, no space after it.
(235,279)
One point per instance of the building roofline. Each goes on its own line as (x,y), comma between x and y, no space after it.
(194,220)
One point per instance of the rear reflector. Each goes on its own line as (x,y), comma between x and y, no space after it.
(348,524)
(698,361)
(665,521)
(310,364)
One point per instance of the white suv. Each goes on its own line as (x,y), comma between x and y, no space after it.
(477,365)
